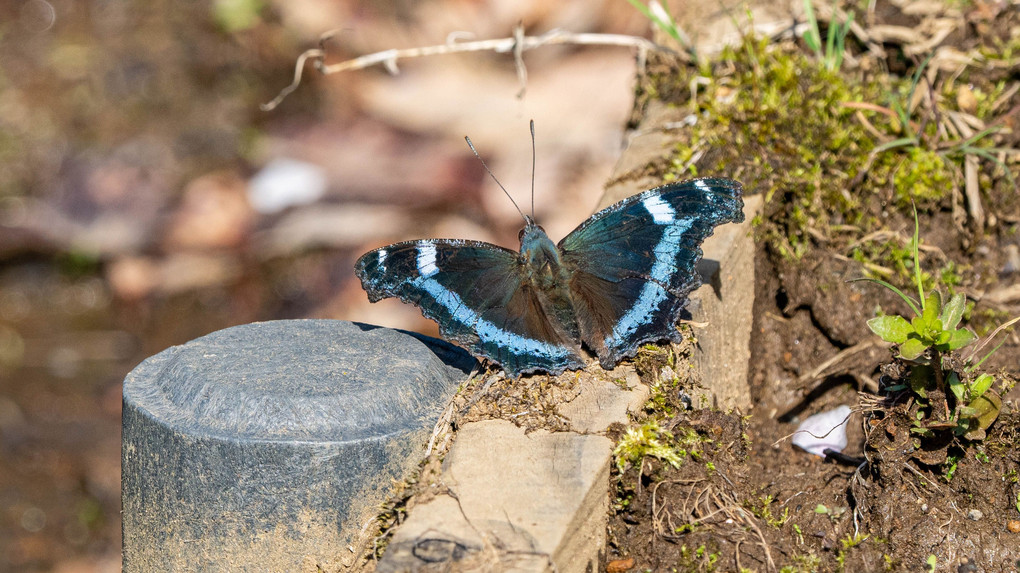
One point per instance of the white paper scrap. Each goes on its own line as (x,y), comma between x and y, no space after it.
(825,430)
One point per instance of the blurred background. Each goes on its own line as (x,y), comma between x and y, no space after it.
(146,200)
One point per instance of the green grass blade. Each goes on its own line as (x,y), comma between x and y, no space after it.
(987,154)
(844,29)
(916,79)
(830,38)
(910,302)
(917,258)
(901,142)
(812,38)
(653,17)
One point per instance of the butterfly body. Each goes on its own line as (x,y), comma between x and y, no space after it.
(617,281)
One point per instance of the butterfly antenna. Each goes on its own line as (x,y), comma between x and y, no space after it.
(475,151)
(533,154)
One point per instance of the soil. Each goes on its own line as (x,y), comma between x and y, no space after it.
(749,500)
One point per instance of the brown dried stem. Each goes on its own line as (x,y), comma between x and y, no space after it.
(516,45)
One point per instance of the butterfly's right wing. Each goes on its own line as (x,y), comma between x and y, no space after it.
(632,264)
(476,293)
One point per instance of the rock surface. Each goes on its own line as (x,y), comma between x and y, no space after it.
(265,447)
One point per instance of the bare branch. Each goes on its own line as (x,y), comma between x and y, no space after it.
(516,45)
(298,70)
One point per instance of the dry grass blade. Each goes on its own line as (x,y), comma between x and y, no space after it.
(885,235)
(704,506)
(972,190)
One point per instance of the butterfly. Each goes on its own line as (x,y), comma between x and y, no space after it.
(617,281)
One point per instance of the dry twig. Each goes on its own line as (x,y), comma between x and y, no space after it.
(517,44)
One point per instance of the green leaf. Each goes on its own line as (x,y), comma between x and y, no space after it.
(980,414)
(988,407)
(981,385)
(912,348)
(919,324)
(975,435)
(967,412)
(920,376)
(932,308)
(953,311)
(956,386)
(660,16)
(891,328)
(959,339)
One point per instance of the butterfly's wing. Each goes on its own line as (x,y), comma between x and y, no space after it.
(632,263)
(477,293)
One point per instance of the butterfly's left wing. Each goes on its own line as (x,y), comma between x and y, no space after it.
(632,264)
(476,292)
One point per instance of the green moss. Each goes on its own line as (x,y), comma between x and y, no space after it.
(647,440)
(774,117)
(1002,49)
(808,139)
(920,177)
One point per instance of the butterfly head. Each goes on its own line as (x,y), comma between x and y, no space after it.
(531,228)
(536,247)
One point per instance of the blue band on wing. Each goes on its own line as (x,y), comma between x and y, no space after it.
(653,293)
(515,352)
(487,332)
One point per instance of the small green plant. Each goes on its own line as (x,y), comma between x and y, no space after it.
(686,528)
(927,342)
(764,511)
(803,563)
(934,325)
(834,513)
(701,559)
(832,54)
(931,563)
(951,463)
(648,439)
(854,540)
